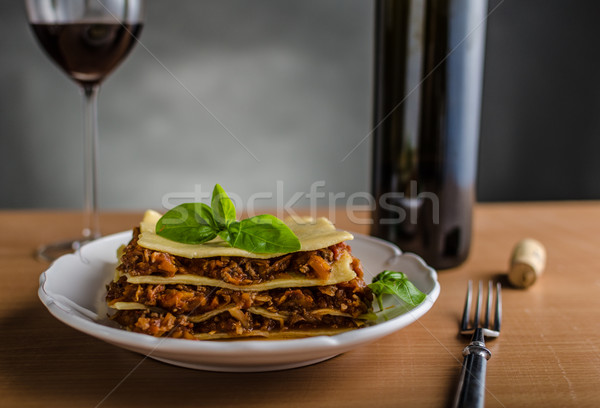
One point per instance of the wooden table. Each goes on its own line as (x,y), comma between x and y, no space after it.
(547,356)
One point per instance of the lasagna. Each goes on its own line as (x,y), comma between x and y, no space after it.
(214,291)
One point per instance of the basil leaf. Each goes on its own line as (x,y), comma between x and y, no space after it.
(263,234)
(398,285)
(189,223)
(389,276)
(196,223)
(222,207)
(226,235)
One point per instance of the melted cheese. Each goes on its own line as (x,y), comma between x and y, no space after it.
(312,233)
(281,316)
(128,306)
(341,271)
(273,335)
(208,315)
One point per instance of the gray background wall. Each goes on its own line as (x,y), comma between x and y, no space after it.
(541,123)
(249,93)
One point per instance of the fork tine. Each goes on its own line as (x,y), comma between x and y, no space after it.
(476,320)
(488,305)
(467,310)
(498,319)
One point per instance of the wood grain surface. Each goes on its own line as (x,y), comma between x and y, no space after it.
(548,354)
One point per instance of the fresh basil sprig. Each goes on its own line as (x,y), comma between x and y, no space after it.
(223,209)
(397,284)
(197,223)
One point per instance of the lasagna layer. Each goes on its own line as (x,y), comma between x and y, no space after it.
(137,261)
(351,298)
(231,325)
(313,234)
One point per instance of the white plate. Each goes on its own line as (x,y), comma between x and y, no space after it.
(74,286)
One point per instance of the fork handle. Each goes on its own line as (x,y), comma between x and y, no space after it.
(471,386)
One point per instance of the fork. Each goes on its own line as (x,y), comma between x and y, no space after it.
(471,386)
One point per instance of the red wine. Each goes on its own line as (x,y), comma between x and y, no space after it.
(87,52)
(428,81)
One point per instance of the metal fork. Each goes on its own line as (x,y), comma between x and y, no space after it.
(471,386)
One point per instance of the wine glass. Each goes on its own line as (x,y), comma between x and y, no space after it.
(87,39)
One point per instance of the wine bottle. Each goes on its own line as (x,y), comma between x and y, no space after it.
(427,102)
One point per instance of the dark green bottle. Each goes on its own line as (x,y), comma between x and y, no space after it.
(429,58)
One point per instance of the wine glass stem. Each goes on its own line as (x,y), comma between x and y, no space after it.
(91,222)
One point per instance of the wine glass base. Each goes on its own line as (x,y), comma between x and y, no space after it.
(53,251)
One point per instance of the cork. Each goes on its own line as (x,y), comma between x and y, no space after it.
(527,263)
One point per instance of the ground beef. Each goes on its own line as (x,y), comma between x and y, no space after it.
(155,324)
(167,325)
(353,298)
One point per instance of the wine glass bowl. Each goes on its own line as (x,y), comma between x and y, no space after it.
(87,52)
(87,39)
